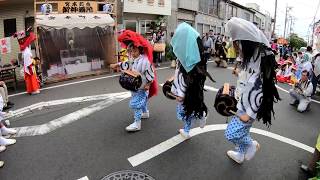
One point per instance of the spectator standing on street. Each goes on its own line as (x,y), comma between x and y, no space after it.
(222,54)
(231,52)
(208,46)
(212,36)
(158,38)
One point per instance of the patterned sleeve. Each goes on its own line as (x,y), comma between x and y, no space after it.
(125,65)
(178,86)
(149,72)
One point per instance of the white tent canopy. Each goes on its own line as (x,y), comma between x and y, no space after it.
(70,21)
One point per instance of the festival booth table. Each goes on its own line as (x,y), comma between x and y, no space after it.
(75,43)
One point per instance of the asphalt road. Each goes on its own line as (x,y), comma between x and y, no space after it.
(97,145)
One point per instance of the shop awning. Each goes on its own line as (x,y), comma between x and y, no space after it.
(70,21)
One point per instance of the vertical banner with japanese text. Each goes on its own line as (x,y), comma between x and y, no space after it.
(5,45)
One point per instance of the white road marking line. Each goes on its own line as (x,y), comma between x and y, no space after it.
(174,141)
(77,82)
(40,105)
(211,88)
(84,178)
(282,89)
(282,139)
(69,118)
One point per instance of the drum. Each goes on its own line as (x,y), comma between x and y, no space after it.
(225,102)
(166,89)
(130,80)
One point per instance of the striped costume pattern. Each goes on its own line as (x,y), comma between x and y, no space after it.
(139,99)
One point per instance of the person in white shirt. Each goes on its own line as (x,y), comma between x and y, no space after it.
(301,93)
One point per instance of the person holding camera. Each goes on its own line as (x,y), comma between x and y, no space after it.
(301,93)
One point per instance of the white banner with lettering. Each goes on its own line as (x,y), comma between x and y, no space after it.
(5,45)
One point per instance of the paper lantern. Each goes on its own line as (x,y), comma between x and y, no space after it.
(107,8)
(46,8)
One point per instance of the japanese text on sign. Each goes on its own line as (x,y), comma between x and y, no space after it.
(77,7)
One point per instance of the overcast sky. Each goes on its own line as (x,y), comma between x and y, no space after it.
(302,10)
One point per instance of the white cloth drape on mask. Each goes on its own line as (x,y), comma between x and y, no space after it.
(27,59)
(240,29)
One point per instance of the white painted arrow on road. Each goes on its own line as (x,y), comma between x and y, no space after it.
(69,118)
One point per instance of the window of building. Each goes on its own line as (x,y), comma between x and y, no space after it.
(186,21)
(246,16)
(28,22)
(206,28)
(219,30)
(131,25)
(161,3)
(200,29)
(216,7)
(213,28)
(212,7)
(10,27)
(234,11)
(209,6)
(229,12)
(203,6)
(145,26)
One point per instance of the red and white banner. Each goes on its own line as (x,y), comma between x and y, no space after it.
(5,45)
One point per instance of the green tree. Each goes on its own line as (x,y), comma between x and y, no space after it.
(296,42)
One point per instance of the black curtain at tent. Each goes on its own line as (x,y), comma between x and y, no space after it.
(58,43)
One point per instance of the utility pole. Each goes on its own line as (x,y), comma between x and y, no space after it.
(286,20)
(274,18)
(292,24)
(290,19)
(226,13)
